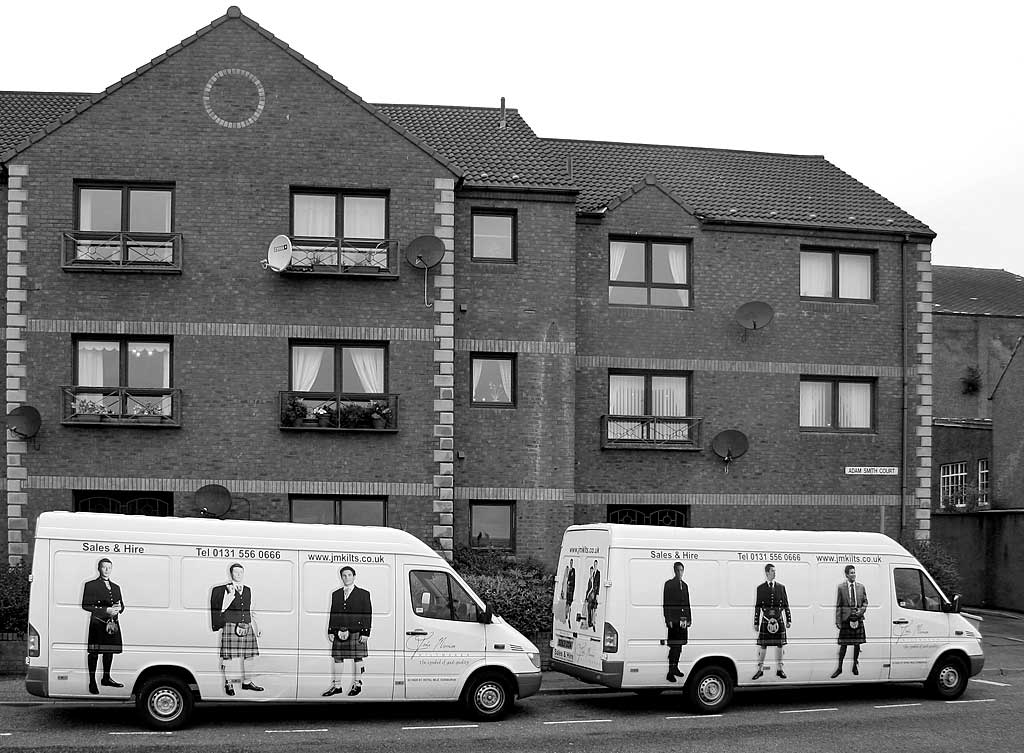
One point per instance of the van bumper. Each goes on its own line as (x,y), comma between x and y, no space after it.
(610,674)
(36,681)
(977,663)
(529,683)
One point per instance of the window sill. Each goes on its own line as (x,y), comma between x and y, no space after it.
(613,444)
(317,427)
(110,421)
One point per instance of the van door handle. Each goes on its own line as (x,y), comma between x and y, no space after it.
(416,632)
(901,622)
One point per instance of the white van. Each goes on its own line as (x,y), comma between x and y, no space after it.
(178,610)
(708,610)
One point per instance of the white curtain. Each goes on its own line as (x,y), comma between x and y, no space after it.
(668,396)
(306,364)
(364,217)
(854,405)
(505,371)
(314,216)
(369,366)
(625,398)
(855,276)
(478,373)
(676,257)
(90,364)
(616,257)
(815,404)
(815,274)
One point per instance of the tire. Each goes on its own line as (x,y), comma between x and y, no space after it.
(710,689)
(948,679)
(488,698)
(165,703)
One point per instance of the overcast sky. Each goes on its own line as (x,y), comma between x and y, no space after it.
(921,101)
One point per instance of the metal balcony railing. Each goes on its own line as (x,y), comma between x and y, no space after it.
(120,406)
(651,432)
(344,256)
(322,410)
(86,250)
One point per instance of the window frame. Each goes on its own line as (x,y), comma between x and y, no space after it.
(649,375)
(835,254)
(513,388)
(338,346)
(449,580)
(339,195)
(872,383)
(513,216)
(126,188)
(338,501)
(123,341)
(647,513)
(124,499)
(984,481)
(510,505)
(648,284)
(948,473)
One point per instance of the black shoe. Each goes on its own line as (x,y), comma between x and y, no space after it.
(93,689)
(252,686)
(356,689)
(677,672)
(229,689)
(330,691)
(671,676)
(111,683)
(757,674)
(855,670)
(781,674)
(840,671)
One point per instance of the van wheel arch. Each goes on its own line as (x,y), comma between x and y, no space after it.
(949,675)
(710,685)
(165,697)
(489,693)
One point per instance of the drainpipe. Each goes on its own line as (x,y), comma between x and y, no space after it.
(906,381)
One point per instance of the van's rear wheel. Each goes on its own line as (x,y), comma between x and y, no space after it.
(710,689)
(948,679)
(164,702)
(488,698)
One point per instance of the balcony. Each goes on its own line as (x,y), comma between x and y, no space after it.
(89,251)
(650,432)
(121,406)
(344,256)
(320,411)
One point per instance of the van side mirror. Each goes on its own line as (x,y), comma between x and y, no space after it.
(955,606)
(486,616)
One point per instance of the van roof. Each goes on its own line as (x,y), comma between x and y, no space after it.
(140,529)
(666,537)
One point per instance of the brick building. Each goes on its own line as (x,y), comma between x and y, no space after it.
(575,355)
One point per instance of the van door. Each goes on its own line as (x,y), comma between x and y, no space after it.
(920,629)
(443,640)
(580,608)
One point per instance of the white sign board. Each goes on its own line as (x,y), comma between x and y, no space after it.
(872,470)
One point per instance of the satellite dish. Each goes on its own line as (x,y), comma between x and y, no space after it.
(213,500)
(425,252)
(729,445)
(754,315)
(279,253)
(23,422)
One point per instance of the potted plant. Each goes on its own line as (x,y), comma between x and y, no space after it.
(380,414)
(327,415)
(148,413)
(90,411)
(294,412)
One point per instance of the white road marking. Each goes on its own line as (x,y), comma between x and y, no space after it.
(140,733)
(807,711)
(977,700)
(6,734)
(897,705)
(447,726)
(276,731)
(993,682)
(580,721)
(695,716)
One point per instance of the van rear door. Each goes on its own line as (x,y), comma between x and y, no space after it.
(580,603)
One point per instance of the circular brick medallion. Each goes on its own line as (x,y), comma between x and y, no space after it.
(234,98)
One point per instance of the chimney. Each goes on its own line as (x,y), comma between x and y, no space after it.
(502,123)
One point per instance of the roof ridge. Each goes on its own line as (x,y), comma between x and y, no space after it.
(681,146)
(49,94)
(446,107)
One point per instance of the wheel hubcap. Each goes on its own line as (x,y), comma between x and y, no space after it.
(165,704)
(711,690)
(949,678)
(489,696)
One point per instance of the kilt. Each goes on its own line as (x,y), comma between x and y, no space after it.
(102,642)
(766,638)
(849,636)
(351,648)
(677,636)
(233,646)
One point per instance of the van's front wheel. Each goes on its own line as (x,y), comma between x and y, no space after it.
(165,703)
(488,698)
(710,689)
(948,679)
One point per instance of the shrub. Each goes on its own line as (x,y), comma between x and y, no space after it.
(939,563)
(520,590)
(14,587)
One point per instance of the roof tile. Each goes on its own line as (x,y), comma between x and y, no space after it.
(983,292)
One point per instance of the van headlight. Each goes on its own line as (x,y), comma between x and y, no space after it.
(534,658)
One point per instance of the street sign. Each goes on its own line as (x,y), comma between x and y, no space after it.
(872,470)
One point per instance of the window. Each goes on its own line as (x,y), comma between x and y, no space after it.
(333,229)
(492,525)
(952,480)
(645,515)
(339,386)
(649,273)
(649,407)
(836,404)
(122,378)
(494,379)
(349,511)
(915,591)
(983,482)
(160,504)
(836,275)
(438,596)
(122,225)
(494,235)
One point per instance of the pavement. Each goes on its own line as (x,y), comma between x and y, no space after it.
(1002,639)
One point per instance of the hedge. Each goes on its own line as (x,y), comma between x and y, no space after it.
(520,590)
(14,587)
(939,563)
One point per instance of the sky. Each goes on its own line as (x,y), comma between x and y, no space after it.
(921,101)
